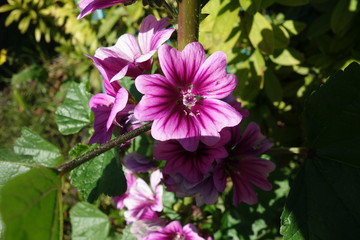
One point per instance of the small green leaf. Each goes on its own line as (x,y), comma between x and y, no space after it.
(43,152)
(288,57)
(24,24)
(342,16)
(294,27)
(261,33)
(13,17)
(74,113)
(30,206)
(281,37)
(88,222)
(103,174)
(272,86)
(129,84)
(6,7)
(292,3)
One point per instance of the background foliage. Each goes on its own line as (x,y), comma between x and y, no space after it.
(281,51)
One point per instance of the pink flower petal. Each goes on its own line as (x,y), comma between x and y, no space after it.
(181,67)
(214,116)
(88,6)
(211,79)
(121,100)
(177,125)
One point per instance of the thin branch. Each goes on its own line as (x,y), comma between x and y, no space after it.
(70,165)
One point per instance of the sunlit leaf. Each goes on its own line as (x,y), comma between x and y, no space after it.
(74,113)
(287,57)
(102,174)
(30,206)
(261,33)
(88,222)
(42,152)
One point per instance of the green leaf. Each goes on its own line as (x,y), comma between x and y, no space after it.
(272,86)
(281,37)
(30,206)
(74,113)
(24,24)
(292,3)
(6,7)
(332,117)
(261,33)
(13,17)
(102,174)
(126,234)
(251,6)
(12,165)
(294,27)
(129,84)
(42,152)
(288,57)
(323,203)
(319,205)
(342,16)
(88,222)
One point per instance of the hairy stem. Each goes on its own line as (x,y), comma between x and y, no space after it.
(70,165)
(188,22)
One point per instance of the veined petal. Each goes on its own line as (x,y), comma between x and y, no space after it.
(110,64)
(127,47)
(111,88)
(121,100)
(88,6)
(100,99)
(149,27)
(211,80)
(160,97)
(101,105)
(214,115)
(160,37)
(177,125)
(243,191)
(180,67)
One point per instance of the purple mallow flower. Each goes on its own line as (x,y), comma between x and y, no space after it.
(174,231)
(190,165)
(203,174)
(131,57)
(89,6)
(142,201)
(186,104)
(137,163)
(244,167)
(111,110)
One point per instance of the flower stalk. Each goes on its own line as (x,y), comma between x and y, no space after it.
(188,22)
(70,165)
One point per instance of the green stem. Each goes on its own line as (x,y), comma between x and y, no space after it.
(70,165)
(188,22)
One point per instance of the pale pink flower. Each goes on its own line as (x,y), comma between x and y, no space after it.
(131,57)
(174,231)
(143,202)
(186,104)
